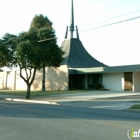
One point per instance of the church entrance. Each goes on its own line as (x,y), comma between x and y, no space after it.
(76,81)
(84,81)
(94,80)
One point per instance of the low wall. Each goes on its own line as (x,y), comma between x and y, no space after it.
(56,79)
(10,80)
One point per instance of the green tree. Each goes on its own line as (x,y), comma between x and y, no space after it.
(28,54)
(2,55)
(27,57)
(22,51)
(40,21)
(32,57)
(6,50)
(2,60)
(47,43)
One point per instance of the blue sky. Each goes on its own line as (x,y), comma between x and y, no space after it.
(117,44)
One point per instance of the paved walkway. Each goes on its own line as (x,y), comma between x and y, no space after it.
(87,95)
(95,99)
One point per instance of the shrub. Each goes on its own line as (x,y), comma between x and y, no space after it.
(99,86)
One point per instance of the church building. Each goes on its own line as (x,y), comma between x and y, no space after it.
(79,70)
(86,72)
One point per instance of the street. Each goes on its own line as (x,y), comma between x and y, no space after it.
(26,121)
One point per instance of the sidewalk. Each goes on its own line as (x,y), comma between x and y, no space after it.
(87,95)
(84,99)
(22,99)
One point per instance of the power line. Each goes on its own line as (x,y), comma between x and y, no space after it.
(108,24)
(111,24)
(115,6)
(113,17)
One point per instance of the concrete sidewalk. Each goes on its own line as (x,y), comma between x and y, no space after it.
(75,97)
(98,99)
(87,95)
(22,99)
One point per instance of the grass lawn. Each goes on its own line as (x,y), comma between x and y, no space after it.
(38,93)
(136,106)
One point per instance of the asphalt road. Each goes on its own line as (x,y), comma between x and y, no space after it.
(25,121)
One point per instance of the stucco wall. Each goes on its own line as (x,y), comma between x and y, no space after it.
(114,81)
(3,80)
(19,82)
(136,81)
(11,80)
(7,80)
(10,76)
(56,79)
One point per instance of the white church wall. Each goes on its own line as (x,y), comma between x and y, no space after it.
(11,80)
(2,80)
(136,81)
(7,80)
(114,81)
(10,76)
(56,79)
(19,82)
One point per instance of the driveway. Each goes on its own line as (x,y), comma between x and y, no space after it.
(113,100)
(97,99)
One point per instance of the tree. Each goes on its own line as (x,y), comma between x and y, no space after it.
(21,51)
(29,55)
(40,21)
(32,57)
(6,50)
(48,43)
(2,55)
(2,60)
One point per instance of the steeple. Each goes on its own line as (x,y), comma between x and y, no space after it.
(72,28)
(72,19)
(75,54)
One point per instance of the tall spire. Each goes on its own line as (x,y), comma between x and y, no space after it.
(72,19)
(72,28)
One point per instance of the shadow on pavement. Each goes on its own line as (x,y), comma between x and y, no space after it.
(27,110)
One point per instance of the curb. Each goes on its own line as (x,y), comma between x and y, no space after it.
(29,101)
(2,98)
(132,110)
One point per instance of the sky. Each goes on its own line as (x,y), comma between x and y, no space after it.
(101,30)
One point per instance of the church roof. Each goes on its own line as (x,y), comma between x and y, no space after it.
(114,69)
(76,55)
